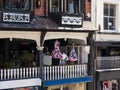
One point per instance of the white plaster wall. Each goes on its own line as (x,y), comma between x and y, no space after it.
(107,37)
(93,12)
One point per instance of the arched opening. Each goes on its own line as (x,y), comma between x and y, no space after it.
(18,53)
(72,48)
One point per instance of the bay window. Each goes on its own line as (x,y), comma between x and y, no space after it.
(109,17)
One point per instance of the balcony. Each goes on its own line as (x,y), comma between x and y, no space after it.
(109,62)
(52,75)
(65,72)
(49,72)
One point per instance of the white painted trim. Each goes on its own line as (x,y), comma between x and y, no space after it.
(68,35)
(99,15)
(20,83)
(21,35)
(107,37)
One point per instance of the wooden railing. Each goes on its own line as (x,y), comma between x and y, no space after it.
(49,72)
(19,73)
(108,62)
(65,72)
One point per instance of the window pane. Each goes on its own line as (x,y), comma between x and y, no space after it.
(16,4)
(55,5)
(105,10)
(112,10)
(112,23)
(105,23)
(25,4)
(8,4)
(71,6)
(109,17)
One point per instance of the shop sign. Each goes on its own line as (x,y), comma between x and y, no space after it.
(16,17)
(72,20)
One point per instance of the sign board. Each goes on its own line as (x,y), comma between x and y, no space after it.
(71,20)
(16,17)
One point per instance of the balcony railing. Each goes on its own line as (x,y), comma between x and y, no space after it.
(108,62)
(19,73)
(65,72)
(49,72)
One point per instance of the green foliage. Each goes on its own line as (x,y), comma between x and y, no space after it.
(9,63)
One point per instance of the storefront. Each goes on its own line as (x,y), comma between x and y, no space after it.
(107,79)
(25,88)
(78,86)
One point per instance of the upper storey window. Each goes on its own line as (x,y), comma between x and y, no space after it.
(54,4)
(73,6)
(69,6)
(109,17)
(17,4)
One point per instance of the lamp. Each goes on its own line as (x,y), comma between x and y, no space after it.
(10,39)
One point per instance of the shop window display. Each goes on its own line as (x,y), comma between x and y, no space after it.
(56,54)
(61,53)
(110,85)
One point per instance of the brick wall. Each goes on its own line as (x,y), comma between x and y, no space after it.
(39,11)
(88,7)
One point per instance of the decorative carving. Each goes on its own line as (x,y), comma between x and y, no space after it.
(16,17)
(70,20)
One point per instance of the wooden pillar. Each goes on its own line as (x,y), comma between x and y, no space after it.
(41,73)
(40,57)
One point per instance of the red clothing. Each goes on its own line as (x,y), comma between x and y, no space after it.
(106,84)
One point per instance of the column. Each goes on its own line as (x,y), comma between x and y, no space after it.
(40,57)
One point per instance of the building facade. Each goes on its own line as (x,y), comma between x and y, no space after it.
(107,45)
(36,35)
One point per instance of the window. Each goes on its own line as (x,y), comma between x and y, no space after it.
(16,4)
(73,6)
(70,6)
(109,17)
(54,4)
